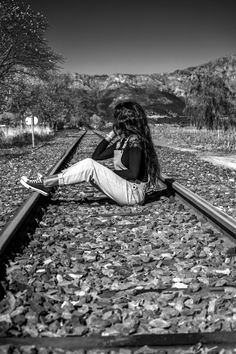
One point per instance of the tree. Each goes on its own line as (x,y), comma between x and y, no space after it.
(208,101)
(54,101)
(58,103)
(23,47)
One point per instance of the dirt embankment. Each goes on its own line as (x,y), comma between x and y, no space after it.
(226,160)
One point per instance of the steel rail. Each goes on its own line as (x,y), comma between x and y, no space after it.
(220,220)
(183,340)
(170,340)
(214,215)
(24,211)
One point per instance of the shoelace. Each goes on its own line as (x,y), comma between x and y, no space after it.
(36,180)
(39,179)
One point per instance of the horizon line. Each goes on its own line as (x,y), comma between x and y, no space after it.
(146,74)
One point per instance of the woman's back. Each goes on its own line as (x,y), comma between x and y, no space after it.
(129,155)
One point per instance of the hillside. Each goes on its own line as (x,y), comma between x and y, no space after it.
(179,80)
(109,89)
(159,93)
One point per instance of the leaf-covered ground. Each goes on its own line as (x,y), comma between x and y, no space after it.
(214,183)
(93,267)
(16,162)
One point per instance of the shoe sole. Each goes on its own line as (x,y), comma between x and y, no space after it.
(23,182)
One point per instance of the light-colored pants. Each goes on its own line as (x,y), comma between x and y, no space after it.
(114,186)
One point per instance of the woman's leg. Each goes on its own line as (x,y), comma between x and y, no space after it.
(89,170)
(107,181)
(50,181)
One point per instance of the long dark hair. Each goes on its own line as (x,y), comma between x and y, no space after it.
(130,118)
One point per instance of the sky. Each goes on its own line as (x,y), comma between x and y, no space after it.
(138,37)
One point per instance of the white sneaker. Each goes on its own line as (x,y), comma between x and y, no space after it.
(36,185)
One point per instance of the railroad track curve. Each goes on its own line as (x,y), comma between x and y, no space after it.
(96,277)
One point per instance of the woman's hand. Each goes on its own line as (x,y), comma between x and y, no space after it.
(110,136)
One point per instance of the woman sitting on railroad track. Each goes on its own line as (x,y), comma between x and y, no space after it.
(136,165)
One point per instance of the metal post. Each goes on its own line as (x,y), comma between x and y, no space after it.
(32,130)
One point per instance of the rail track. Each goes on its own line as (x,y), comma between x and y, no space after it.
(82,273)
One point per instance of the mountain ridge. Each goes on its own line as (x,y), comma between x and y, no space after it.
(163,94)
(225,67)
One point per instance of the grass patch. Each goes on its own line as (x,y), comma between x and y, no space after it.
(19,136)
(190,137)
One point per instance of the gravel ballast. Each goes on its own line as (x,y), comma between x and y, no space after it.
(95,268)
(20,161)
(216,184)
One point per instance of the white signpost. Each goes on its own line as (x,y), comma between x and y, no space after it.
(31,120)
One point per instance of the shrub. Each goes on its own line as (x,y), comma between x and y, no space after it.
(209,102)
(19,136)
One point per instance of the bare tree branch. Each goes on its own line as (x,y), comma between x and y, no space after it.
(22,33)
